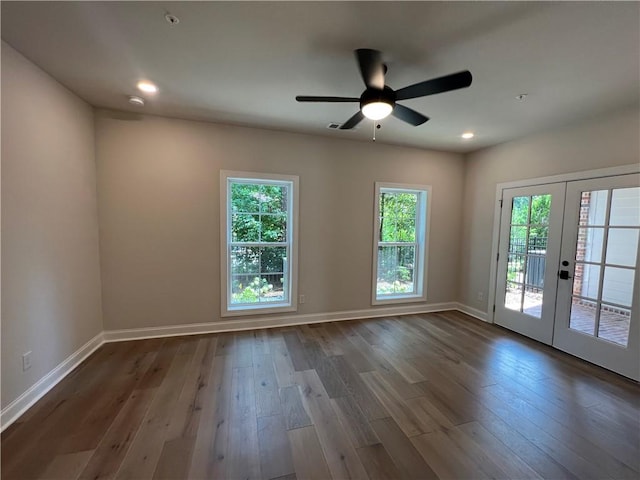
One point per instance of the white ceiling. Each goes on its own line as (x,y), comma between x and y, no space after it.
(244,62)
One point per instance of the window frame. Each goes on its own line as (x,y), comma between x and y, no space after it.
(423,218)
(227,177)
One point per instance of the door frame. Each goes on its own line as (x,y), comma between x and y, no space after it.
(566,177)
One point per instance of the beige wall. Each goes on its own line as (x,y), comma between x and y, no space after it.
(606,141)
(50,258)
(159,214)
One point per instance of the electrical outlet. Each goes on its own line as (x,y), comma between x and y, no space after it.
(301,299)
(26,361)
(480,296)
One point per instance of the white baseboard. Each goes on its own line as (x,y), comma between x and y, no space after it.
(15,409)
(270,322)
(473,312)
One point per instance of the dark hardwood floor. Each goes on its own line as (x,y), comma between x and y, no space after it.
(415,397)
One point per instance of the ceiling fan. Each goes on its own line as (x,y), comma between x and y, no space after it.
(379,100)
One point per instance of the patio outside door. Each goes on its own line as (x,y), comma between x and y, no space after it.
(568,271)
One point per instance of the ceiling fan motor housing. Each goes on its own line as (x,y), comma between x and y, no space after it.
(373,95)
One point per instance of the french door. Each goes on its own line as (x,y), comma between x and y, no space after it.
(568,268)
(530,236)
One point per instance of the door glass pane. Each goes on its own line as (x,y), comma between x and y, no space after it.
(617,286)
(622,246)
(583,315)
(513,296)
(532,301)
(535,271)
(593,207)
(586,279)
(540,209)
(520,211)
(589,246)
(538,240)
(518,239)
(614,324)
(625,207)
(515,267)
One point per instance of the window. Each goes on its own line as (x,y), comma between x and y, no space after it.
(259,247)
(400,243)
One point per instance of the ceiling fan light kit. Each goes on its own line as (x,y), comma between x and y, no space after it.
(378,100)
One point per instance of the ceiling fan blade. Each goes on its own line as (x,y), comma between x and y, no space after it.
(408,115)
(306,98)
(371,67)
(436,85)
(353,121)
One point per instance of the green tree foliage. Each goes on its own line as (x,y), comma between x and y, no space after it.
(397,224)
(258,215)
(540,209)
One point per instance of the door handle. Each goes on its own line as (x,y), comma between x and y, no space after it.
(564,275)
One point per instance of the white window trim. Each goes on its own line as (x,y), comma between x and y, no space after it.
(424,219)
(225,232)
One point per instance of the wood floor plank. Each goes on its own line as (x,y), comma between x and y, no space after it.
(342,459)
(284,369)
(322,365)
(107,458)
(260,344)
(404,368)
(308,458)
(185,416)
(273,443)
(175,459)
(516,413)
(357,388)
(357,426)
(265,386)
(295,414)
(244,462)
(210,452)
(501,454)
(141,458)
(410,424)
(332,400)
(406,458)
(243,350)
(542,463)
(446,459)
(327,341)
(67,466)
(378,463)
(355,358)
(296,351)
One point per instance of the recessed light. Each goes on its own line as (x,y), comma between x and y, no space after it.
(137,101)
(147,87)
(467,135)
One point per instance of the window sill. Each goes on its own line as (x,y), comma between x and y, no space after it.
(393,299)
(246,310)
